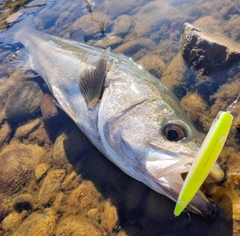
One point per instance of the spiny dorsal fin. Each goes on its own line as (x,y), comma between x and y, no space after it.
(92,80)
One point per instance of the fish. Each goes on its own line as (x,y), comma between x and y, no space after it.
(129,115)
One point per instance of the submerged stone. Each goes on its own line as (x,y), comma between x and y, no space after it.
(79,226)
(153,63)
(24,103)
(92,24)
(39,223)
(205,51)
(50,187)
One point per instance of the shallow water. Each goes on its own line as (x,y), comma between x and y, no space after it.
(54,182)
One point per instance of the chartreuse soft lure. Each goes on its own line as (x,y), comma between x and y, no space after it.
(206,157)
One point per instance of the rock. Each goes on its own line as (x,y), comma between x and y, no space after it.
(236,216)
(116,8)
(92,24)
(41,170)
(24,103)
(138,47)
(39,223)
(12,221)
(71,181)
(17,163)
(122,25)
(157,20)
(153,64)
(110,217)
(40,136)
(195,106)
(69,147)
(24,130)
(79,226)
(5,134)
(95,214)
(23,202)
(207,52)
(83,198)
(177,76)
(109,41)
(50,187)
(121,233)
(59,155)
(48,107)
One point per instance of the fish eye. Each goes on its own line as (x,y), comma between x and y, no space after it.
(174,132)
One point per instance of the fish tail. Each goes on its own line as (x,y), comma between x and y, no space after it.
(11,35)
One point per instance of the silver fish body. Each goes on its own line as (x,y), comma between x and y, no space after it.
(138,123)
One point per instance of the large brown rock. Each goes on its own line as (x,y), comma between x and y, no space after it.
(205,51)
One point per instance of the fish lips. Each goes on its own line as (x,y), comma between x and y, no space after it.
(168,170)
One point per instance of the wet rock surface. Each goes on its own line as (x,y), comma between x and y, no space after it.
(205,51)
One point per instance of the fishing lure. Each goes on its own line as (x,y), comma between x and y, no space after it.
(205,159)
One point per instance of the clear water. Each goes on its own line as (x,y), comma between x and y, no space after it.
(138,29)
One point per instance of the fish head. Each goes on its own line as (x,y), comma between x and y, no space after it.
(153,140)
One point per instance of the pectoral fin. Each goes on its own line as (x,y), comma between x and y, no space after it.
(92,80)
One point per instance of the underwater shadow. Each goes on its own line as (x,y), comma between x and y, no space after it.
(141,211)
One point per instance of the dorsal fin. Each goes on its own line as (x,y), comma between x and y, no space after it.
(92,80)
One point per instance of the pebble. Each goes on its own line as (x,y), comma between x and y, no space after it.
(110,217)
(48,107)
(16,166)
(50,186)
(41,170)
(135,46)
(71,181)
(111,41)
(24,130)
(153,64)
(122,25)
(12,221)
(40,223)
(79,226)
(84,198)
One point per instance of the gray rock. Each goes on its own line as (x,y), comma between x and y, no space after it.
(207,52)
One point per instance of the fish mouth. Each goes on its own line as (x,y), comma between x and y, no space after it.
(168,177)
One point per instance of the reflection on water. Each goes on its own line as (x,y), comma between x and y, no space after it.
(53,180)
